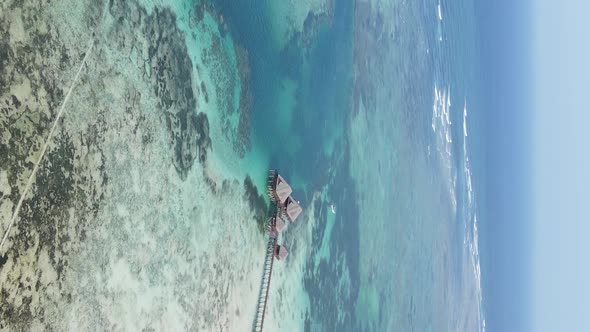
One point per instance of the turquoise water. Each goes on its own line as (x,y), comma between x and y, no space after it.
(369,110)
(404,239)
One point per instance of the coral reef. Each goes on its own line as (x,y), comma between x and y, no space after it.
(34,262)
(135,103)
(170,70)
(299,44)
(223,56)
(243,139)
(172,79)
(256,201)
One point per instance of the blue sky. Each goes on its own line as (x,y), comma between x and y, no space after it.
(504,43)
(536,78)
(561,158)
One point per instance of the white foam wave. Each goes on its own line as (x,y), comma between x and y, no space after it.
(471,235)
(440,18)
(464,121)
(441,126)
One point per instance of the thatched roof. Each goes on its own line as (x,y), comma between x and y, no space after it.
(292,209)
(279,225)
(282,189)
(281,252)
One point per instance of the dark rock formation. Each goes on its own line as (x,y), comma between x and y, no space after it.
(204,91)
(170,70)
(255,200)
(245,107)
(172,77)
(219,57)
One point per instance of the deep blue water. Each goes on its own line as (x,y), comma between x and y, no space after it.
(323,91)
(322,72)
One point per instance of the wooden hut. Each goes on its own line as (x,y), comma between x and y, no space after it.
(277,225)
(281,252)
(278,189)
(291,209)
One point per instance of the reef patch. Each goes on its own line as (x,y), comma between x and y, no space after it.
(256,201)
(223,56)
(166,63)
(172,79)
(243,138)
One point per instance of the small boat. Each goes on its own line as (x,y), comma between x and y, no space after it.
(333,208)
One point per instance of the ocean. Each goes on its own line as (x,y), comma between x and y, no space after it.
(145,213)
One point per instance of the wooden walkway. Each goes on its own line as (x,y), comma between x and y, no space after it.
(265,285)
(269,259)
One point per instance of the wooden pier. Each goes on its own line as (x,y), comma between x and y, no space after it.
(265,285)
(279,193)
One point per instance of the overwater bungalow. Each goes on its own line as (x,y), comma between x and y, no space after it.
(277,225)
(291,209)
(278,189)
(281,252)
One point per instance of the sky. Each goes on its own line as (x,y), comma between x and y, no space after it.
(536,78)
(561,158)
(505,230)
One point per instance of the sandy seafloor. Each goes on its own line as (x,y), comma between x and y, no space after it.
(145,211)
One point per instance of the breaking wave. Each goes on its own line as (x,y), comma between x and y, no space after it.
(471,236)
(439,16)
(442,128)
